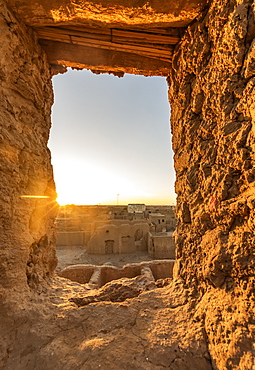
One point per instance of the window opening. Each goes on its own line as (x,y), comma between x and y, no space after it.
(110,145)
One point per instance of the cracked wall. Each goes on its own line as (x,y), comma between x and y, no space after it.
(26,227)
(212,99)
(212,87)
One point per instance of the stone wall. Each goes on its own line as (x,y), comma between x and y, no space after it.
(26,231)
(212,87)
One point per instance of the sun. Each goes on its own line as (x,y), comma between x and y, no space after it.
(82,183)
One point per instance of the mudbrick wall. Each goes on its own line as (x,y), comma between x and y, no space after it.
(26,233)
(212,95)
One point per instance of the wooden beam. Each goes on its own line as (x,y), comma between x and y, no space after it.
(141,43)
(150,38)
(113,33)
(170,31)
(103,60)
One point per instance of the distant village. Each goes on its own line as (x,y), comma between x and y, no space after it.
(118,229)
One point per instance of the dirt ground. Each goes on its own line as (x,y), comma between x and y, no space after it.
(77,255)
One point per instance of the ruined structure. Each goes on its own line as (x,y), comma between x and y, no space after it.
(118,229)
(126,237)
(100,275)
(161,245)
(205,318)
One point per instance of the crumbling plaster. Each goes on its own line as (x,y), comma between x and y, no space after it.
(108,12)
(26,228)
(212,97)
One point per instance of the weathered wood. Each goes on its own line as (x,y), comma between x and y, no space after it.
(114,40)
(121,47)
(109,34)
(144,36)
(87,33)
(118,62)
(170,31)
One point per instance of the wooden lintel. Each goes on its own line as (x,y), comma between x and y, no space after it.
(103,60)
(151,45)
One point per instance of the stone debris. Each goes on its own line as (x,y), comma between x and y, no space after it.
(118,290)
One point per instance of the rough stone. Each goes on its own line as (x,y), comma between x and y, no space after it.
(26,227)
(131,12)
(211,95)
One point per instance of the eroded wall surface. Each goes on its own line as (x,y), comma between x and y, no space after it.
(26,232)
(106,12)
(212,87)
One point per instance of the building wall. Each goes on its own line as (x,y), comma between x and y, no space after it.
(212,96)
(70,238)
(118,237)
(26,226)
(162,218)
(85,273)
(99,242)
(161,246)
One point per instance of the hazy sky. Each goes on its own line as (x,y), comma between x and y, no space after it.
(111,136)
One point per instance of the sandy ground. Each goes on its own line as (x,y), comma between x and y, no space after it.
(77,254)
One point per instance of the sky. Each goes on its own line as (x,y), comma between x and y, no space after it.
(110,139)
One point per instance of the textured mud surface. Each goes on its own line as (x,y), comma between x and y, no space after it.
(26,230)
(156,330)
(212,98)
(116,12)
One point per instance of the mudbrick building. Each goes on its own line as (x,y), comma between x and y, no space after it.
(204,319)
(116,230)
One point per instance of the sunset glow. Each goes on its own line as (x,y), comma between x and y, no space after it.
(80,183)
(35,196)
(110,140)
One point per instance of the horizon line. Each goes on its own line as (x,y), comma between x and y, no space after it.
(115,205)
